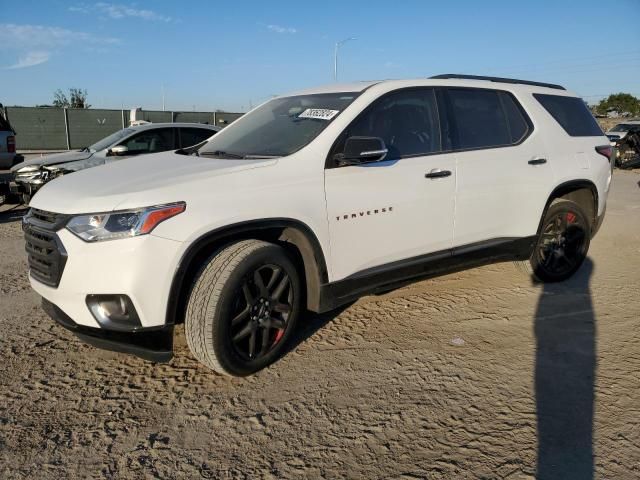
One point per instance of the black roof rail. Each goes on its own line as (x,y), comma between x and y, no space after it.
(497,79)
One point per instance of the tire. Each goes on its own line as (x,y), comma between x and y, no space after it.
(563,242)
(243,307)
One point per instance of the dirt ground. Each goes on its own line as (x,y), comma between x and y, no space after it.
(480,374)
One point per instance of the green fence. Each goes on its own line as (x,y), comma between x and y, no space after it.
(69,128)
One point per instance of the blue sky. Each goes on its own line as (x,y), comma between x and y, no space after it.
(231,54)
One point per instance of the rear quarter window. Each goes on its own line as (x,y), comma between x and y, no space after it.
(571,113)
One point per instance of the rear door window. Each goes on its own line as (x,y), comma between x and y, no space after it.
(571,113)
(479,119)
(193,136)
(517,124)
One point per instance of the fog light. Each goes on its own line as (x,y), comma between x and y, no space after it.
(114,312)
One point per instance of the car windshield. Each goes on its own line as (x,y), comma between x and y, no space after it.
(110,140)
(280,127)
(623,127)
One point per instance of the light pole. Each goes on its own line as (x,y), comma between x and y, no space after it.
(335,57)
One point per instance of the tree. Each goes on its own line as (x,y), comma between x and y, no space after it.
(77,98)
(623,103)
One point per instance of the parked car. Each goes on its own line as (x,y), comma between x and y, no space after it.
(145,138)
(628,148)
(8,155)
(621,130)
(312,200)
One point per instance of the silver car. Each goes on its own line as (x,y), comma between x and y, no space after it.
(29,176)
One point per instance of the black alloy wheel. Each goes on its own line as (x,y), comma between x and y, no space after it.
(563,242)
(263,306)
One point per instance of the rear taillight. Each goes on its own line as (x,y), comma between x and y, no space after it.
(11,144)
(605,151)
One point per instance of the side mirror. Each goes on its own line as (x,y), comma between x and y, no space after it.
(359,150)
(119,150)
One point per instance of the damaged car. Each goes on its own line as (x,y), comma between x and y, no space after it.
(30,176)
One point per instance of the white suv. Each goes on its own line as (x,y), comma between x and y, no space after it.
(312,200)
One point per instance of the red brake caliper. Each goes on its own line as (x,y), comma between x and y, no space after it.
(278,336)
(571,217)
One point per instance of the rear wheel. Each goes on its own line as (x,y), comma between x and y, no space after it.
(563,242)
(243,307)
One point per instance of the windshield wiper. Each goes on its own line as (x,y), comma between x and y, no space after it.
(220,153)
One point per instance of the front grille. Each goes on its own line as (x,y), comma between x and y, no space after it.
(46,254)
(45,217)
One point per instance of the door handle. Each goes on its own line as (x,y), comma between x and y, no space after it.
(537,161)
(437,173)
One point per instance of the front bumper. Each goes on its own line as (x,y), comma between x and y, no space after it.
(24,188)
(140,267)
(154,344)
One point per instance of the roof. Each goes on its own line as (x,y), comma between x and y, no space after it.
(175,124)
(513,81)
(454,80)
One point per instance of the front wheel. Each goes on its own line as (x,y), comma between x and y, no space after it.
(563,242)
(243,307)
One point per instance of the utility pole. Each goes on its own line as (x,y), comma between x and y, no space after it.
(335,57)
(163,97)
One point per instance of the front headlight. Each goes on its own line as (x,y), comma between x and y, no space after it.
(29,169)
(99,227)
(29,173)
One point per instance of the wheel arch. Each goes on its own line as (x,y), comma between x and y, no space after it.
(297,237)
(583,192)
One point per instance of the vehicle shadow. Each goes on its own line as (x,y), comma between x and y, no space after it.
(565,330)
(308,325)
(12,213)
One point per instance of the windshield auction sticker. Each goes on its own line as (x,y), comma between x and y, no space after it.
(319,113)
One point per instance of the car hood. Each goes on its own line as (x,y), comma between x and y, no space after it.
(617,134)
(137,182)
(55,158)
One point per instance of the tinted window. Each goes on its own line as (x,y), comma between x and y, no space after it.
(479,118)
(407,121)
(150,141)
(623,127)
(193,136)
(516,122)
(4,124)
(571,113)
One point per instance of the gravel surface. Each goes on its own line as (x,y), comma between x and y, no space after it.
(480,374)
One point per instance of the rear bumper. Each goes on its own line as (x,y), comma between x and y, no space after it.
(8,160)
(154,344)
